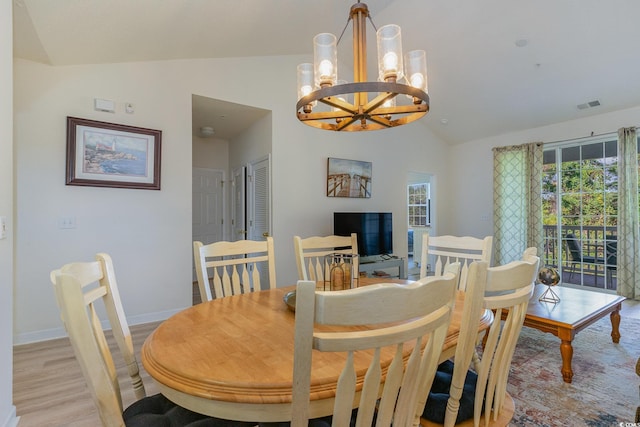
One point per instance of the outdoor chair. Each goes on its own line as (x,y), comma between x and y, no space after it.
(577,259)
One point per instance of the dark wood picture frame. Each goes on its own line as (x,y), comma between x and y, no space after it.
(101,154)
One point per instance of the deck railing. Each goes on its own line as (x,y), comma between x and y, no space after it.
(585,255)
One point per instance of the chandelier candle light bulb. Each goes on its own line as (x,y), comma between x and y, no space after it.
(325,55)
(390,53)
(391,102)
(416,63)
(305,82)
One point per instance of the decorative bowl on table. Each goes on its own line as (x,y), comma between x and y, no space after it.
(548,276)
(290,299)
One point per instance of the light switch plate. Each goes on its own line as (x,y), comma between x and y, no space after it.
(3,227)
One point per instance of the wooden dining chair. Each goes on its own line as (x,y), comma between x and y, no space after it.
(234,267)
(464,396)
(310,253)
(79,287)
(442,250)
(400,320)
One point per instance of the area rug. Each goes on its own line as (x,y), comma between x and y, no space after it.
(604,391)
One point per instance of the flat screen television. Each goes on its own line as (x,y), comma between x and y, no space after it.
(374,229)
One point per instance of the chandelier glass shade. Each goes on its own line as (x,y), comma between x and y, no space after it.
(327,103)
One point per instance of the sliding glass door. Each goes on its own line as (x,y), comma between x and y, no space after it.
(580,199)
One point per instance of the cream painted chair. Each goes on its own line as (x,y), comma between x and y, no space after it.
(78,288)
(508,287)
(310,253)
(234,266)
(422,312)
(442,250)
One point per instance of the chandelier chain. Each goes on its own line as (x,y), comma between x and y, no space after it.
(343,30)
(347,24)
(372,24)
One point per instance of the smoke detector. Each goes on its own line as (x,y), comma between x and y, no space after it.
(206,131)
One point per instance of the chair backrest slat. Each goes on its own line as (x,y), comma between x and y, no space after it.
(403,326)
(444,250)
(310,253)
(231,268)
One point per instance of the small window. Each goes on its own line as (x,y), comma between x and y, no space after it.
(419,204)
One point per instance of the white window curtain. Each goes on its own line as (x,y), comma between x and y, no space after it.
(517,201)
(628,262)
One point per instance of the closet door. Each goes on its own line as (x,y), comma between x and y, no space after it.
(259,199)
(239,205)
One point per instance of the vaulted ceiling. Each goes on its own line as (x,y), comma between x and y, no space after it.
(495,66)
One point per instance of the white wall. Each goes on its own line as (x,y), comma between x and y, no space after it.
(472,193)
(253,144)
(7,409)
(143,230)
(300,169)
(148,233)
(210,153)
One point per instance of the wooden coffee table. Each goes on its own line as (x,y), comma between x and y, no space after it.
(576,310)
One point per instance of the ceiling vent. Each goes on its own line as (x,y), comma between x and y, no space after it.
(589,104)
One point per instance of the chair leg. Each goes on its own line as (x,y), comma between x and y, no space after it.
(572,270)
(609,277)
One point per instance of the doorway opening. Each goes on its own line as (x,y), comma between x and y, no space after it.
(419,218)
(238,140)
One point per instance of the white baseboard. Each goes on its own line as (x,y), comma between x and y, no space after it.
(11,420)
(54,333)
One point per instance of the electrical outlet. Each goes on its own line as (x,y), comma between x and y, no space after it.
(67,222)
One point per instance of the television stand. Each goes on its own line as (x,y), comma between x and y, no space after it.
(370,265)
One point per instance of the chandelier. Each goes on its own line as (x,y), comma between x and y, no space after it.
(327,103)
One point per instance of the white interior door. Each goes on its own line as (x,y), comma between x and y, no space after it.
(259,199)
(259,205)
(207,205)
(238,205)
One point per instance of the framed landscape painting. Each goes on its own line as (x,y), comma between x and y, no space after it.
(101,154)
(348,178)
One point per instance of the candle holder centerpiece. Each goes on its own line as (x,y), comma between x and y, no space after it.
(340,271)
(549,277)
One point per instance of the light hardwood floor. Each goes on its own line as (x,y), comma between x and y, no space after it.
(48,387)
(49,390)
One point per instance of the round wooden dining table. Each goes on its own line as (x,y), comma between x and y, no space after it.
(232,357)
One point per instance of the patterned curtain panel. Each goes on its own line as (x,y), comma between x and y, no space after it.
(517,201)
(628,224)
